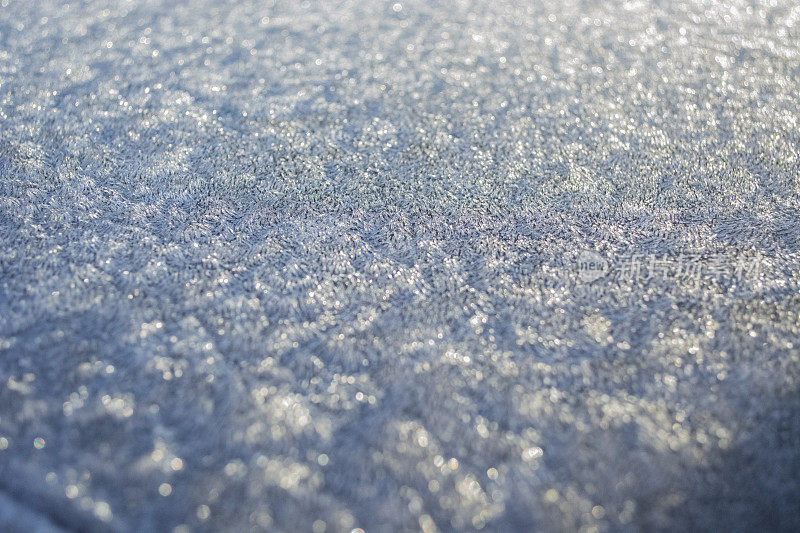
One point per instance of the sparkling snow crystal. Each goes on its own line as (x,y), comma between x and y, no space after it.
(383,266)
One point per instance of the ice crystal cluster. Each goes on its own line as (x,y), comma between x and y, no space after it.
(312,266)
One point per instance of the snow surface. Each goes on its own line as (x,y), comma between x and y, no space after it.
(311,266)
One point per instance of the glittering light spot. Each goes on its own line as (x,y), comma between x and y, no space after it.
(39,443)
(176,464)
(427,524)
(103,511)
(319,526)
(3,443)
(551,495)
(322,459)
(492,473)
(532,453)
(72,491)
(165,489)
(203,512)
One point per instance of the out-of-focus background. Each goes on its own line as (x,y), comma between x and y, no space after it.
(321,266)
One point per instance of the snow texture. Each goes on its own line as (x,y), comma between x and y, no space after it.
(311,266)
